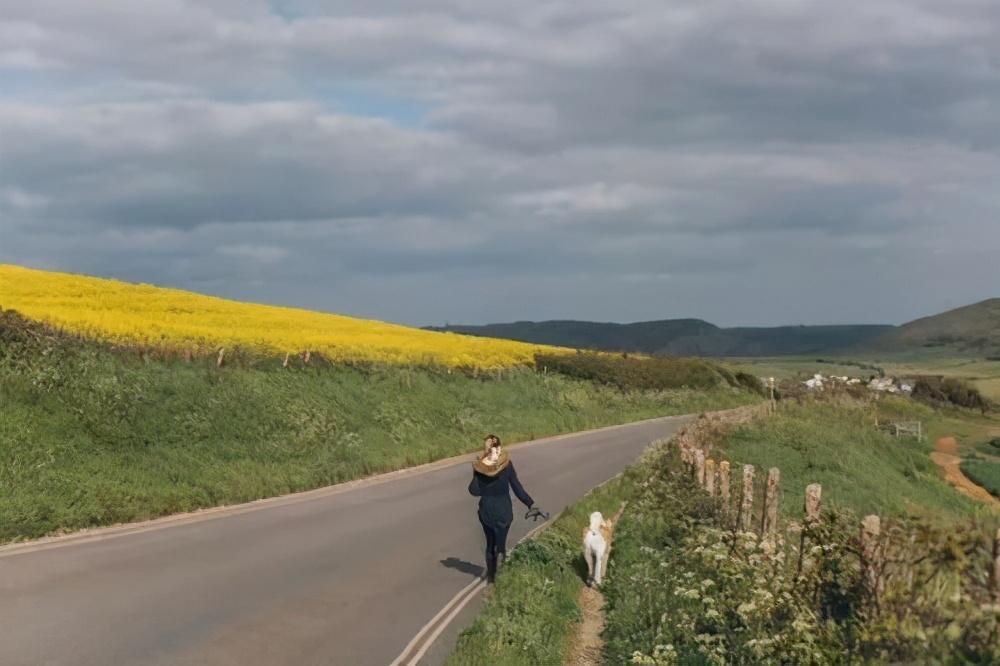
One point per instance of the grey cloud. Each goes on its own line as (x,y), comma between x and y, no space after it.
(749,163)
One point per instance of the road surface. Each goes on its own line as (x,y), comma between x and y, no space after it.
(345,575)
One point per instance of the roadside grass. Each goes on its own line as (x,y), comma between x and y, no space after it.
(836,444)
(92,437)
(531,613)
(986,473)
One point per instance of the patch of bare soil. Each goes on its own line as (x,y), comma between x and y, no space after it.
(945,455)
(588,647)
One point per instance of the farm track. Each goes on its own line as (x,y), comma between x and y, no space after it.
(344,577)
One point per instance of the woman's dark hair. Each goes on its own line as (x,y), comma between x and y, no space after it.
(493,440)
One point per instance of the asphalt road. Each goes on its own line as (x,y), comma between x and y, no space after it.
(346,575)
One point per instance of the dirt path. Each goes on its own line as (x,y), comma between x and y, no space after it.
(588,646)
(946,456)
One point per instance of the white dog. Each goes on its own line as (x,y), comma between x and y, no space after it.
(596,547)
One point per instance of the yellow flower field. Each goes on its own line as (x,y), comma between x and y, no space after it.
(145,315)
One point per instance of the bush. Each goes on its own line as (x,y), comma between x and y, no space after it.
(643,373)
(950,391)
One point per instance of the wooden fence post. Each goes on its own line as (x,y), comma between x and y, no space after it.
(724,484)
(306,357)
(871,529)
(284,363)
(996,567)
(699,467)
(814,493)
(222,354)
(746,502)
(769,515)
(710,476)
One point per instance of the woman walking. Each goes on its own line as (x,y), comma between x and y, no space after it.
(493,478)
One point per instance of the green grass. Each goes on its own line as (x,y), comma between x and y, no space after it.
(989,448)
(837,446)
(532,611)
(92,437)
(986,473)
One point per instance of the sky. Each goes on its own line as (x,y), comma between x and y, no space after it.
(753,163)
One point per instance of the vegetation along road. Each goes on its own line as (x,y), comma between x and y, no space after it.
(344,575)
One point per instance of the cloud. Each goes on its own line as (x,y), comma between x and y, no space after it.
(747,163)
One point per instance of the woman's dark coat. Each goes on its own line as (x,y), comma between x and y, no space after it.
(495,508)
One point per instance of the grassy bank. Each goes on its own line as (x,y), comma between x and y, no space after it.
(684,589)
(837,445)
(90,436)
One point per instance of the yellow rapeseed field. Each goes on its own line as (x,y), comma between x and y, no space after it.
(144,315)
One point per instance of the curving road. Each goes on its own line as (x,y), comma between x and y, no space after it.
(343,575)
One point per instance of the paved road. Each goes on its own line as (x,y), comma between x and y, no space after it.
(342,576)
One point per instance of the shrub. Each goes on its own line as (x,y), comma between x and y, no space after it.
(950,391)
(641,372)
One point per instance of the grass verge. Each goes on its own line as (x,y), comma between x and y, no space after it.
(533,609)
(684,589)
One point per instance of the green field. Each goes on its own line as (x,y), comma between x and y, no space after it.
(91,437)
(859,467)
(984,472)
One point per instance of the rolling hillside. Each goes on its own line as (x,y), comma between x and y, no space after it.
(971,329)
(683,337)
(175,320)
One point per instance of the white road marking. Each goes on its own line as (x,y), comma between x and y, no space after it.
(464,596)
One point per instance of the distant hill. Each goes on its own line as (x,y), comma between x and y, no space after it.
(683,337)
(972,329)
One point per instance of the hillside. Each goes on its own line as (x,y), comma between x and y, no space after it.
(178,321)
(91,435)
(682,337)
(971,329)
